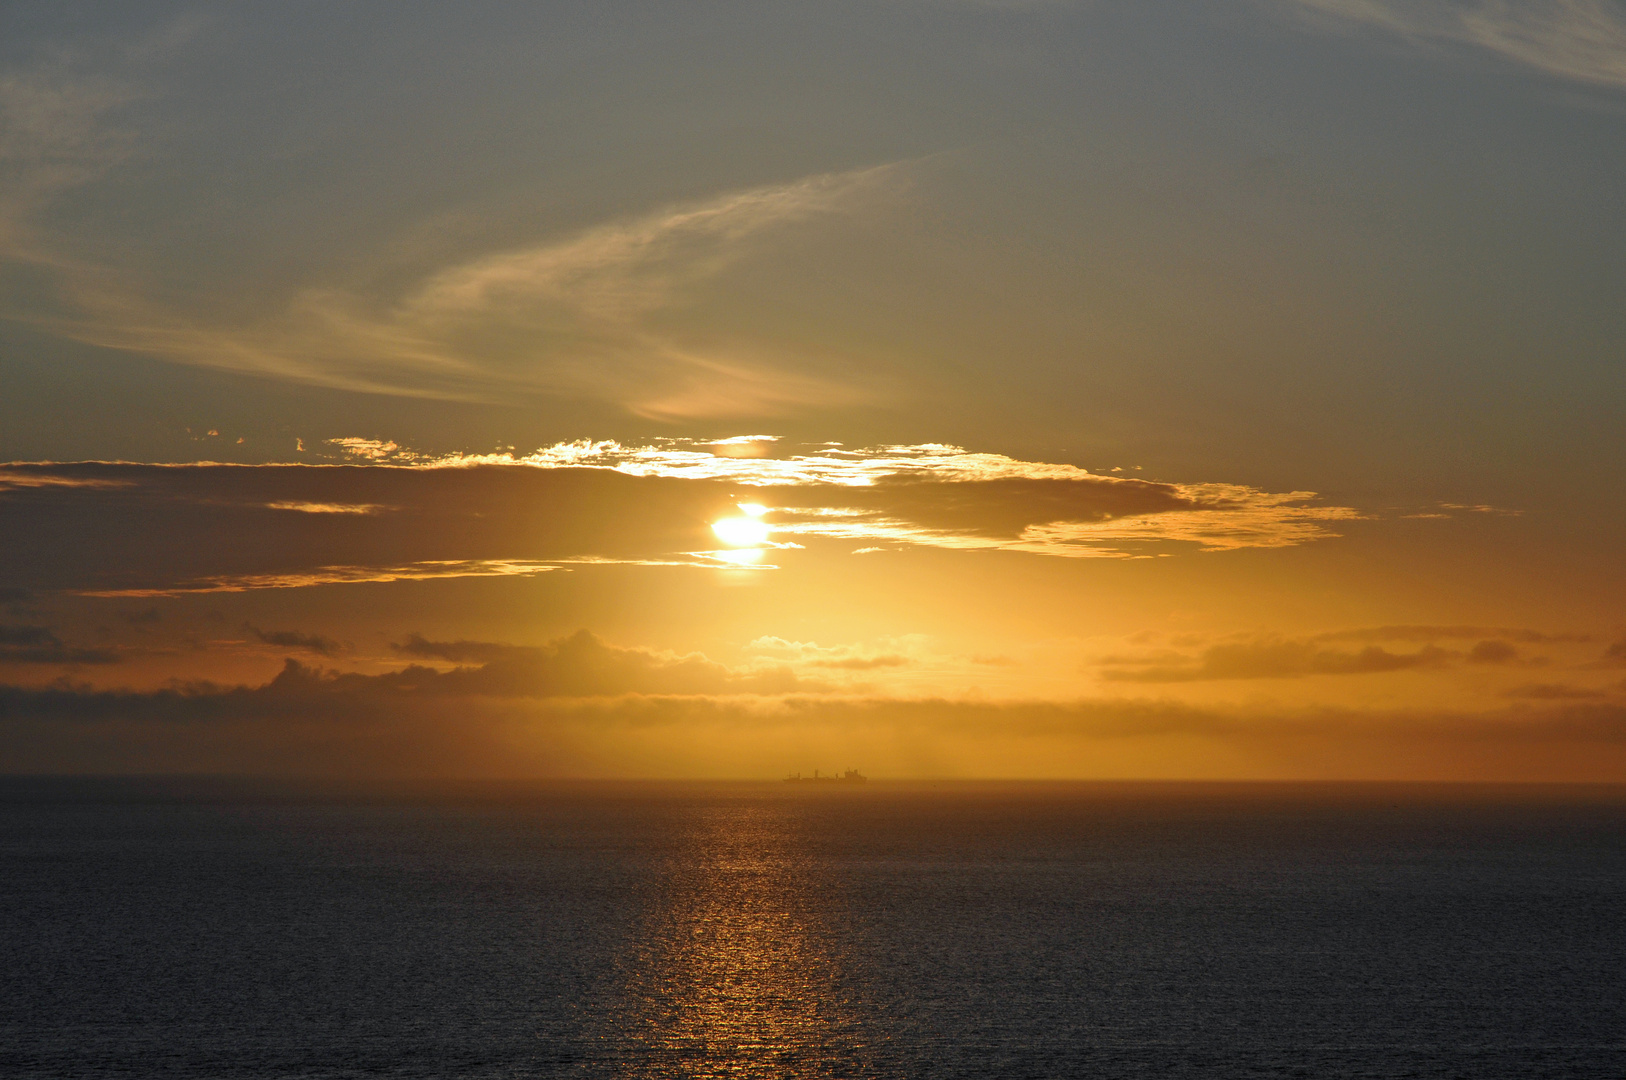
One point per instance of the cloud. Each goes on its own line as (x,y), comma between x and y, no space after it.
(864,663)
(1270,659)
(620,272)
(1493,652)
(939,495)
(331,575)
(55,134)
(293,639)
(210,528)
(375,450)
(585,315)
(12,477)
(1277,658)
(38,645)
(1580,40)
(1483,508)
(328,508)
(892,653)
(577,666)
(582,316)
(573,708)
(1220,517)
(1554,692)
(26,635)
(458,652)
(1408,632)
(67,121)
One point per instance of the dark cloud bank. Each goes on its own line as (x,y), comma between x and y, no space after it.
(98,526)
(38,645)
(95,526)
(510,709)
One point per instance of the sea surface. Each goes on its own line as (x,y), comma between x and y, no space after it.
(234,929)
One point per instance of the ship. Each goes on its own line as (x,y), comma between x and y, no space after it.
(851,776)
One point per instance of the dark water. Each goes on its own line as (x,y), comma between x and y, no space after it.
(221,930)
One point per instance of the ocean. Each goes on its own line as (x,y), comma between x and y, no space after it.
(251,929)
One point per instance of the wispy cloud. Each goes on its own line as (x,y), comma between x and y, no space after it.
(889,653)
(337,575)
(37,478)
(327,507)
(1583,40)
(56,133)
(66,121)
(586,315)
(1219,517)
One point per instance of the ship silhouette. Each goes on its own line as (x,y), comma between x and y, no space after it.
(851,776)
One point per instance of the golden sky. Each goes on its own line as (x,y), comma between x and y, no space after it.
(946,389)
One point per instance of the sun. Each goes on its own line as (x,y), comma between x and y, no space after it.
(750,531)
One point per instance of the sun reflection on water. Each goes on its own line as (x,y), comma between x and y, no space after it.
(739,976)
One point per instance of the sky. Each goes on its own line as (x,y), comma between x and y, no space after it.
(1213,389)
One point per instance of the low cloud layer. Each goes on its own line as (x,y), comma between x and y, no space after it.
(580,706)
(1271,659)
(1518,634)
(1289,658)
(577,666)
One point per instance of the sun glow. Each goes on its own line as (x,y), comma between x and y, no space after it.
(744,557)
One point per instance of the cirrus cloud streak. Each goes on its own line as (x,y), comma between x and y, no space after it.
(1581,40)
(587,315)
